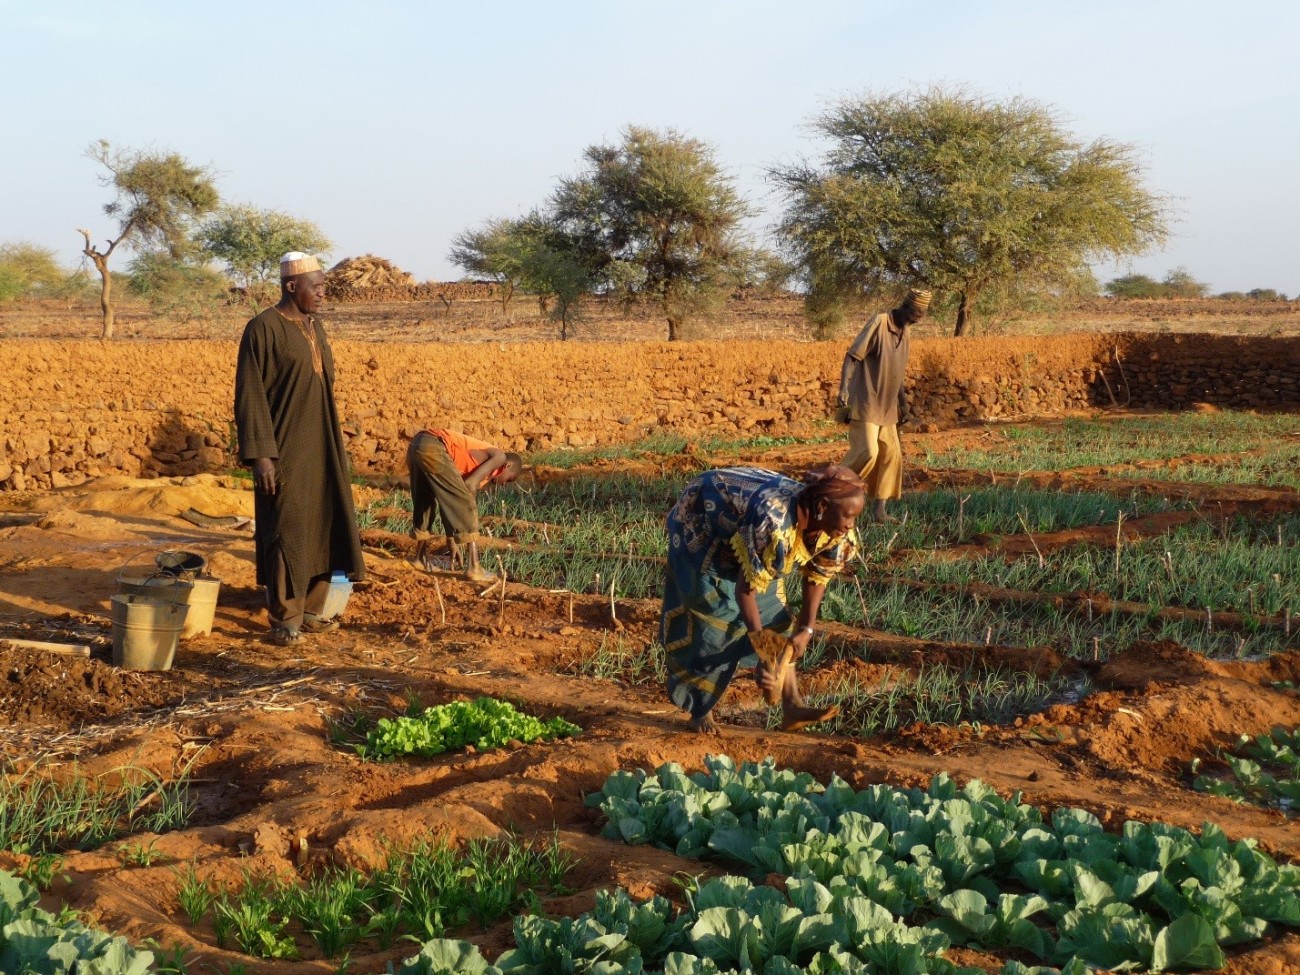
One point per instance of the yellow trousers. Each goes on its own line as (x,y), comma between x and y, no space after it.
(875,454)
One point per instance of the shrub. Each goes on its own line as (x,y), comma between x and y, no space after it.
(175,288)
(29,269)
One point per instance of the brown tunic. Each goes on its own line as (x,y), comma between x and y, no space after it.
(871,382)
(284,409)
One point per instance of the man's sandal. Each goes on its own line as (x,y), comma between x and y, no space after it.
(282,636)
(314,624)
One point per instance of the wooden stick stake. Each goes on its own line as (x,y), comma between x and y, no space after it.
(1039,551)
(862,600)
(437,591)
(570,607)
(1119,525)
(501,604)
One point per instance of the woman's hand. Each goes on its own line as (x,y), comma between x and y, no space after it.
(800,641)
(767,679)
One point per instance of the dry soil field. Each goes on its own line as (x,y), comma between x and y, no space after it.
(1083,612)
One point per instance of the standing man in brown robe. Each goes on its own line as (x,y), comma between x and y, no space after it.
(289,435)
(872,400)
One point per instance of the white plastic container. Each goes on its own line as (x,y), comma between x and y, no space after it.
(336,600)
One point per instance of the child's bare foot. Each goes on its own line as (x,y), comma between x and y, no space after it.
(879,516)
(795,718)
(705,725)
(480,574)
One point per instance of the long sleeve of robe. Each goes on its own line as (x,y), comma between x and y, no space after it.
(285,410)
(875,368)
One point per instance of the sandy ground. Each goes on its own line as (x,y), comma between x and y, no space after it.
(249,719)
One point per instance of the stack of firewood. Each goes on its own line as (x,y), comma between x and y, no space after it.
(367,273)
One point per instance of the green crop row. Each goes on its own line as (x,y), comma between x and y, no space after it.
(33,940)
(624,514)
(1244,566)
(420,893)
(486,723)
(1277,466)
(1073,442)
(954,617)
(42,815)
(728,925)
(954,864)
(615,658)
(1264,770)
(937,695)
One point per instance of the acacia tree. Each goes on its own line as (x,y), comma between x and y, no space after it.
(498,250)
(961,194)
(554,269)
(1179,283)
(158,198)
(250,243)
(654,217)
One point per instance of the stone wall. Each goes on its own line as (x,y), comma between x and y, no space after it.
(73,410)
(1169,371)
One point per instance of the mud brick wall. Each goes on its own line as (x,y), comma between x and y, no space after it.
(1233,371)
(74,410)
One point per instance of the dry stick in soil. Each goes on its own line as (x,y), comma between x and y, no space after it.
(442,609)
(501,603)
(862,599)
(1119,538)
(1037,550)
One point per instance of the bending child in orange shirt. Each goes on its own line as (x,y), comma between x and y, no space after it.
(447,469)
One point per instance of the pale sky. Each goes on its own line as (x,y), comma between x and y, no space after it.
(395,125)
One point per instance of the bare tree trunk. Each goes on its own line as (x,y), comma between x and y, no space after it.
(965,314)
(100,260)
(105,296)
(674,330)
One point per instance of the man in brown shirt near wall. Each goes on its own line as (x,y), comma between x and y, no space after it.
(872,400)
